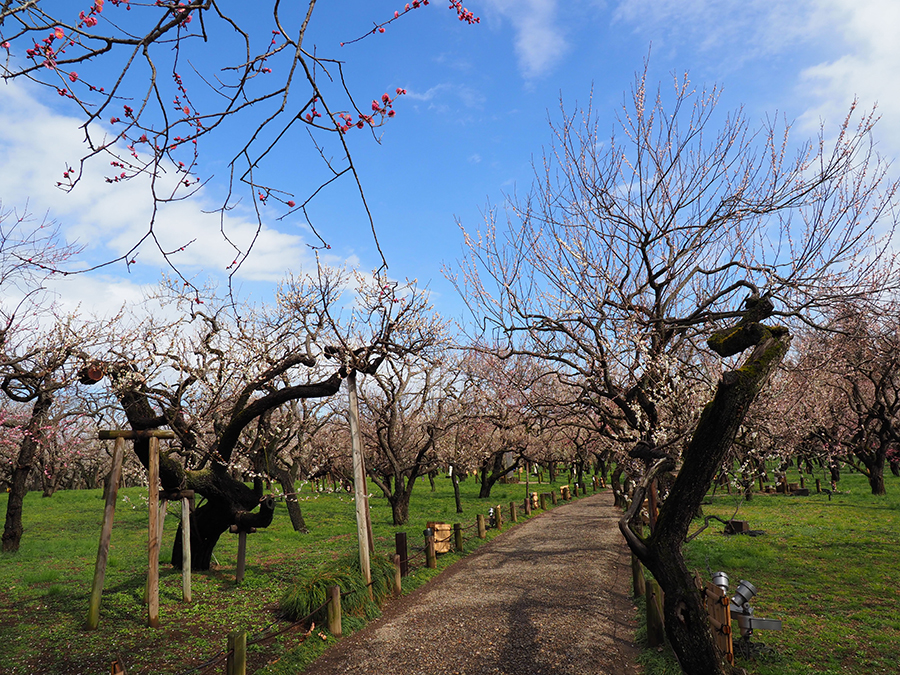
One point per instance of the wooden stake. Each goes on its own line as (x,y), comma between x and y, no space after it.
(334,610)
(482,531)
(458,537)
(112,493)
(513,515)
(237,653)
(398,577)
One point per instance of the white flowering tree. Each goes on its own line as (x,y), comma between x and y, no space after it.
(214,372)
(631,251)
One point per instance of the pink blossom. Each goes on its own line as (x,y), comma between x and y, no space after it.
(73,76)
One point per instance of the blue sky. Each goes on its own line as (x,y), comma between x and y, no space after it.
(474,116)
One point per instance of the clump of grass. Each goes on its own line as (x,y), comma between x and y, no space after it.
(310,591)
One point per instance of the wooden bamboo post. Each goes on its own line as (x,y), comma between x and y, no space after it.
(513,516)
(93,620)
(186,547)
(236,663)
(334,610)
(153,538)
(656,634)
(458,537)
(482,531)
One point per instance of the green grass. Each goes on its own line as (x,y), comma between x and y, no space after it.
(826,568)
(45,587)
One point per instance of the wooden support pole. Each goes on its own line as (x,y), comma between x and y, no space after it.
(527,506)
(499,515)
(430,555)
(553,497)
(513,516)
(186,548)
(334,611)
(361,499)
(236,663)
(112,493)
(153,536)
(458,537)
(398,578)
(241,557)
(574,489)
(400,549)
(542,499)
(482,531)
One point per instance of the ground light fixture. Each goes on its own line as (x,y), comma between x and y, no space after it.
(742,612)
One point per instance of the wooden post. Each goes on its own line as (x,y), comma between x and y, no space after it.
(499,516)
(818,486)
(482,531)
(543,501)
(401,550)
(656,634)
(638,585)
(458,537)
(553,497)
(398,578)
(513,516)
(802,481)
(527,506)
(186,548)
(334,610)
(574,489)
(153,538)
(112,493)
(595,483)
(430,556)
(359,483)
(116,668)
(237,653)
(241,557)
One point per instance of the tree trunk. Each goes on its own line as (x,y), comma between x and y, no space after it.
(491,471)
(686,620)
(400,506)
(455,480)
(895,467)
(283,476)
(31,440)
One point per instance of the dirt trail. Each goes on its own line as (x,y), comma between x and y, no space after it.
(549,597)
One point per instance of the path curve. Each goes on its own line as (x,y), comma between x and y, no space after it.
(551,596)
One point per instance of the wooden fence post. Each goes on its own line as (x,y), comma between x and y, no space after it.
(574,489)
(553,497)
(401,550)
(513,516)
(398,579)
(112,493)
(498,514)
(430,556)
(237,653)
(334,608)
(543,501)
(637,577)
(482,531)
(656,634)
(527,506)
(458,537)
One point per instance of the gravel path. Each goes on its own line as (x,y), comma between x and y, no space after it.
(548,597)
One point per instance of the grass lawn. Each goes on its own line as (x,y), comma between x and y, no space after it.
(826,568)
(45,587)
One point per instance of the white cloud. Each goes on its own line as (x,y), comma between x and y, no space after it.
(540,40)
(866,69)
(36,143)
